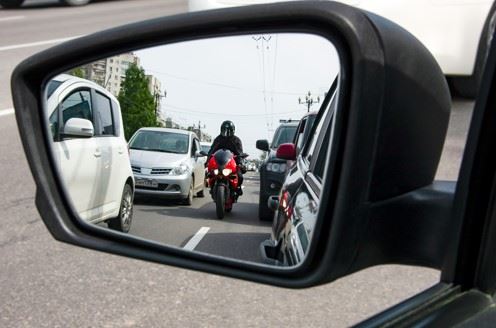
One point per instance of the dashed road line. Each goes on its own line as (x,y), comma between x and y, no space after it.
(38,43)
(195,240)
(5,112)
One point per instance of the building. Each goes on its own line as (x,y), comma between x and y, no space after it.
(96,71)
(155,88)
(110,72)
(116,71)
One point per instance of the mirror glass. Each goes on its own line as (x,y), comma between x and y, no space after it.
(178,143)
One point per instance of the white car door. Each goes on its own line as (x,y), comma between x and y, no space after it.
(80,159)
(198,165)
(115,158)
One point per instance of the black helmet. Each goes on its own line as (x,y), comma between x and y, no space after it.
(227,129)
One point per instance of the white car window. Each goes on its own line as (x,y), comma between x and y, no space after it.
(103,110)
(75,105)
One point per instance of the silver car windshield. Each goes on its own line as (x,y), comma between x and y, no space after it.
(167,142)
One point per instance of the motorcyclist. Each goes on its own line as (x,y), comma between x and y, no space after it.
(227,140)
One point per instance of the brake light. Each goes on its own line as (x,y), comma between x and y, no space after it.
(284,204)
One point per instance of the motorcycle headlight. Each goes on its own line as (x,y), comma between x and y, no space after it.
(180,170)
(226,172)
(216,172)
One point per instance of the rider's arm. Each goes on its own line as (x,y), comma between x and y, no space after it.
(239,146)
(213,148)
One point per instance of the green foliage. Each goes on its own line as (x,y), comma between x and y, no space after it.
(78,72)
(137,103)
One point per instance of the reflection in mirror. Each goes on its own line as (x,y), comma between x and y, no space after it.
(178,143)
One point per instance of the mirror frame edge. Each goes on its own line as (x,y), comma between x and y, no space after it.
(351,27)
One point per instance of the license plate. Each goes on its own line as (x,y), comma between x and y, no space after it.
(146,183)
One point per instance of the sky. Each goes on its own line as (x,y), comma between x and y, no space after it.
(252,80)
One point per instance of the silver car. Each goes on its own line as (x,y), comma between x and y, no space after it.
(167,162)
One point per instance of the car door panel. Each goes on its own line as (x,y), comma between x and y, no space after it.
(113,172)
(81,159)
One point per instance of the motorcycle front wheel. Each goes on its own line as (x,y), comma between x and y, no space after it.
(220,201)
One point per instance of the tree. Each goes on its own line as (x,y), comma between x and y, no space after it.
(78,72)
(137,103)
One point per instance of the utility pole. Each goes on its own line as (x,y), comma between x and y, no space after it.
(263,44)
(199,127)
(309,100)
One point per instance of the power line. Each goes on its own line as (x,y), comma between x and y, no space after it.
(183,110)
(222,85)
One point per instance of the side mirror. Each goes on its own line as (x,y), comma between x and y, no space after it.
(78,128)
(263,144)
(286,151)
(201,153)
(367,195)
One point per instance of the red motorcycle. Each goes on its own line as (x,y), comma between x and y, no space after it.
(223,180)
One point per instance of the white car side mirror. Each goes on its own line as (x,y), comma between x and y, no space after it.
(78,128)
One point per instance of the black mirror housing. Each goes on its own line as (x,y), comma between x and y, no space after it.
(262,144)
(371,180)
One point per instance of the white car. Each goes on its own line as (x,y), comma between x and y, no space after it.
(457,32)
(91,151)
(168,163)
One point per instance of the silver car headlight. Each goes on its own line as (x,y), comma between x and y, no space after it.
(180,170)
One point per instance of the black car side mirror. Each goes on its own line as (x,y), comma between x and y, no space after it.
(263,145)
(378,202)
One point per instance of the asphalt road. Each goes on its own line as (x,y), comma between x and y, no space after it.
(237,236)
(44,283)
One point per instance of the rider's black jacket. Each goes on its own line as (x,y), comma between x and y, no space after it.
(232,143)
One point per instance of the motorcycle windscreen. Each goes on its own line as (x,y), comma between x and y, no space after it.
(222,157)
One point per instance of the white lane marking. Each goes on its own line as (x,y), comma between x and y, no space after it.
(38,43)
(193,242)
(11,18)
(5,112)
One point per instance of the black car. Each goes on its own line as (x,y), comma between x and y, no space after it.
(273,170)
(271,179)
(297,205)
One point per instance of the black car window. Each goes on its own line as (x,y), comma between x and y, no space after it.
(314,139)
(284,134)
(299,134)
(104,112)
(194,147)
(304,132)
(321,157)
(75,105)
